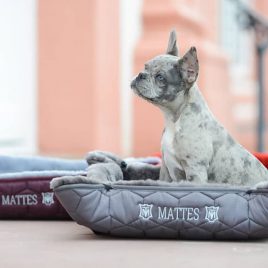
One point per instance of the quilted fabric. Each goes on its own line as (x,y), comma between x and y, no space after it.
(178,213)
(24,186)
(29,198)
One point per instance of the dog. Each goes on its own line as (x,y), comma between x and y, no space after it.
(195,146)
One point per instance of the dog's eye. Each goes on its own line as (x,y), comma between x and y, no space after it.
(160,78)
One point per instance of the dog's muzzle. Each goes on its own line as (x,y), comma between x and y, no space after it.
(139,77)
(133,83)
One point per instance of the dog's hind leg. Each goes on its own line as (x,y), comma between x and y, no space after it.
(95,157)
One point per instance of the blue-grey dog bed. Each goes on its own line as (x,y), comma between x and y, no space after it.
(178,212)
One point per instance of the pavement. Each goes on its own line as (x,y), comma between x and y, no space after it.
(48,244)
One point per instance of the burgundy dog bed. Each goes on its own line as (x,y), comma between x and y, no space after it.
(24,186)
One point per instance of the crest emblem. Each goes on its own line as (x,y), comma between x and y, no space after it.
(212,214)
(145,211)
(48,198)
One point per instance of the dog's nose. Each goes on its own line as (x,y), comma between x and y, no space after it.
(141,76)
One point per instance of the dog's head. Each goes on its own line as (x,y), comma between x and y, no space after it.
(165,76)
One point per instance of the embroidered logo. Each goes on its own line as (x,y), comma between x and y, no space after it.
(145,211)
(212,214)
(19,200)
(47,198)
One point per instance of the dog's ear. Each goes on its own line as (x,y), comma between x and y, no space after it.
(172,44)
(188,66)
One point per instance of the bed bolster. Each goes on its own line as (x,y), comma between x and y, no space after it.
(168,212)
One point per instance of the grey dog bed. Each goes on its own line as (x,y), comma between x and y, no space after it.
(172,211)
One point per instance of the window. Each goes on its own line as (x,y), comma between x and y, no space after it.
(235,41)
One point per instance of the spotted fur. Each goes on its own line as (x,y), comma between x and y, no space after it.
(195,146)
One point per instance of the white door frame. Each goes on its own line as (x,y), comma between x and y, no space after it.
(18,76)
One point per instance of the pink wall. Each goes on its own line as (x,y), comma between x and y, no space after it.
(79,72)
(78,76)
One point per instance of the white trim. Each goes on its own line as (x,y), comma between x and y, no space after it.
(18,79)
(130,29)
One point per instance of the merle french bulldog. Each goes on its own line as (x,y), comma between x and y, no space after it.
(195,146)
